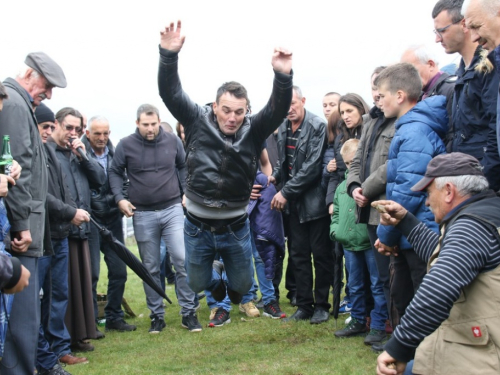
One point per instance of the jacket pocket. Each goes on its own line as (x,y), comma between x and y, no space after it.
(37,224)
(469,349)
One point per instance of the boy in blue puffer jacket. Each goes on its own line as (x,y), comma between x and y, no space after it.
(420,128)
(359,256)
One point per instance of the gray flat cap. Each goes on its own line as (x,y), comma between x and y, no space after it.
(47,67)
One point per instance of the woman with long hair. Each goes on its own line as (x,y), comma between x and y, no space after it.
(352,108)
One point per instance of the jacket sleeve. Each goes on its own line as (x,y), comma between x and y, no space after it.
(180,164)
(59,210)
(94,172)
(491,158)
(269,118)
(310,171)
(376,182)
(16,122)
(117,172)
(169,85)
(415,150)
(325,177)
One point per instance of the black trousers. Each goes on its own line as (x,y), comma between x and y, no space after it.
(409,271)
(311,239)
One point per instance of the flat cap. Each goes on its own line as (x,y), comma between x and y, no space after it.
(454,164)
(47,67)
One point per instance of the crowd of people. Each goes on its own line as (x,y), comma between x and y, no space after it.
(403,191)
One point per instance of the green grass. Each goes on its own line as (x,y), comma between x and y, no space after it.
(245,346)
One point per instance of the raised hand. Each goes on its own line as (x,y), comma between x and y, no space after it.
(282,60)
(171,38)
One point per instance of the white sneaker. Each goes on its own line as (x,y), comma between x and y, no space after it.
(348,320)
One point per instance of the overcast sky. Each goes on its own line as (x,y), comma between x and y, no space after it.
(109,50)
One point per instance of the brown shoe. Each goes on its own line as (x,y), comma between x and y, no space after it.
(82,346)
(70,359)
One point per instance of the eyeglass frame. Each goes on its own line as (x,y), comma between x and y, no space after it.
(70,128)
(443,29)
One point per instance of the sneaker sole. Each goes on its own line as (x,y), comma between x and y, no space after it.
(211,325)
(274,317)
(192,330)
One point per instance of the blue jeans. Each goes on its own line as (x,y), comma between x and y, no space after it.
(355,261)
(149,227)
(265,285)
(117,270)
(234,247)
(54,308)
(19,356)
(45,358)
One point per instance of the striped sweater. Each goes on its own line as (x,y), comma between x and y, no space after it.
(469,248)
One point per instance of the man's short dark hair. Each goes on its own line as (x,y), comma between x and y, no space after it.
(68,111)
(3,92)
(402,76)
(234,88)
(147,109)
(453,7)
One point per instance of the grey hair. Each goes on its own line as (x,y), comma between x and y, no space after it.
(466,184)
(491,7)
(24,69)
(423,54)
(298,91)
(97,118)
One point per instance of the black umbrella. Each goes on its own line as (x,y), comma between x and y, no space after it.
(130,260)
(337,280)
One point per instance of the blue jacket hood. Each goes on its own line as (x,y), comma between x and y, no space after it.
(430,111)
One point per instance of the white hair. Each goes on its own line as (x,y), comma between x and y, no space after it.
(423,53)
(97,118)
(490,7)
(24,69)
(465,185)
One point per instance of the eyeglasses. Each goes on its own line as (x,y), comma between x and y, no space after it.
(70,128)
(440,31)
(46,126)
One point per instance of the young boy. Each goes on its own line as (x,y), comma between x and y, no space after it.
(419,130)
(358,255)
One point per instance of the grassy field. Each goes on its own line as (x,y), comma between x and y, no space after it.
(245,346)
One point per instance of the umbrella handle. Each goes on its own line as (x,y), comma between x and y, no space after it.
(95,223)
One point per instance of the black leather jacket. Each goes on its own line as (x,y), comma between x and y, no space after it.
(220,170)
(102,200)
(305,186)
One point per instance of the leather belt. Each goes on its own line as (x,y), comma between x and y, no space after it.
(234,226)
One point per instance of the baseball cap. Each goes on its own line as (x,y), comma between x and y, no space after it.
(453,164)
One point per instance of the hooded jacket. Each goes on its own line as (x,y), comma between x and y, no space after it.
(305,186)
(417,140)
(151,169)
(266,224)
(344,229)
(475,116)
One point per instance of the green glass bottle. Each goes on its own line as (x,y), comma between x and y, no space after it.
(6,160)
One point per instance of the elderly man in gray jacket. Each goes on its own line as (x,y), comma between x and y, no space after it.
(26,201)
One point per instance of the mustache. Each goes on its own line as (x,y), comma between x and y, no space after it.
(42,96)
